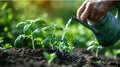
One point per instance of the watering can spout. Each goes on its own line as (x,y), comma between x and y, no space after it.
(107,31)
(85,24)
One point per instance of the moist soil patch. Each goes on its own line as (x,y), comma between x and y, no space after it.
(26,57)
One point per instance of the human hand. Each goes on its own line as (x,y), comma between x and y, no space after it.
(94,9)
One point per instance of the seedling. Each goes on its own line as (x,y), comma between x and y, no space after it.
(63,44)
(116,52)
(113,53)
(49,56)
(94,45)
(100,61)
(31,29)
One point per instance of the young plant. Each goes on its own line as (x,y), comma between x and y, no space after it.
(100,61)
(116,52)
(94,45)
(113,53)
(49,57)
(31,30)
(54,41)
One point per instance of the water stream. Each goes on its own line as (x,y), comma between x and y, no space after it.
(65,29)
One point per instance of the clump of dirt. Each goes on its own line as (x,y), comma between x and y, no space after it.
(26,57)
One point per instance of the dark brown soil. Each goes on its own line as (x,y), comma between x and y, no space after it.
(25,57)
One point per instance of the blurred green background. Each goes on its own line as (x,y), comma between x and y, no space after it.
(52,11)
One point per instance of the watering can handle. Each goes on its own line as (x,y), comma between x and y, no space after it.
(118,11)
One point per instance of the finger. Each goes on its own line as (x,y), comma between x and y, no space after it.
(86,12)
(92,16)
(80,10)
(93,12)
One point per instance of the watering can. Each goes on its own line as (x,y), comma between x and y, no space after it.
(106,31)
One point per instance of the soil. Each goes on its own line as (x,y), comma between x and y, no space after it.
(26,57)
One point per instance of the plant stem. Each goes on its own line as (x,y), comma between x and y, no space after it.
(97,52)
(33,45)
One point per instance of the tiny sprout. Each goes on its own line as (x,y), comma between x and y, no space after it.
(49,57)
(100,61)
(116,52)
(94,45)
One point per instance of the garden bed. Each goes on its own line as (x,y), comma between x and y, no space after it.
(26,57)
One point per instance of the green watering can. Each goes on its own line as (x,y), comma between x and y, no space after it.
(106,31)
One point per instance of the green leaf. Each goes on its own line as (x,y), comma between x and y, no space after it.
(2,48)
(20,24)
(99,46)
(91,43)
(90,47)
(40,23)
(49,57)
(1,41)
(115,51)
(19,39)
(27,29)
(55,26)
(47,30)
(108,53)
(7,46)
(38,41)
(28,21)
(37,33)
(46,41)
